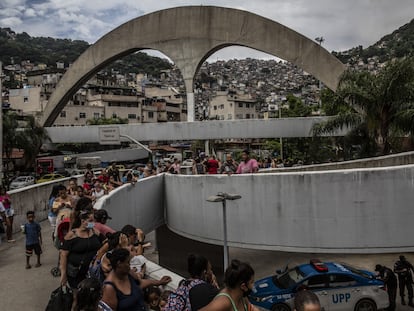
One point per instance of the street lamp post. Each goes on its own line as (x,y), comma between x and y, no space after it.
(223,197)
(320,40)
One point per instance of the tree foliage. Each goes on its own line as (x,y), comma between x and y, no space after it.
(374,107)
(106,121)
(25,134)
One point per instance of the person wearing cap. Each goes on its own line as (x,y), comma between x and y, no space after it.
(390,280)
(403,269)
(247,165)
(101,216)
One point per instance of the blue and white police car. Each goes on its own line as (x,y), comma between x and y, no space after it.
(338,287)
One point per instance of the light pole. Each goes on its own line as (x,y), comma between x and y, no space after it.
(223,197)
(137,142)
(320,40)
(281,138)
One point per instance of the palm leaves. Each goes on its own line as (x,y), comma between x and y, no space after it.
(23,133)
(375,107)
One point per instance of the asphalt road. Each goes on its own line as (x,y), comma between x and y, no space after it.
(23,289)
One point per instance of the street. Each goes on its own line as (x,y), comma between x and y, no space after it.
(30,289)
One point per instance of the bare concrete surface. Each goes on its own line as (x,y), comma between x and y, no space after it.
(30,289)
(27,289)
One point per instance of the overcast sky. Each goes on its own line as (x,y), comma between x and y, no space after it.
(342,23)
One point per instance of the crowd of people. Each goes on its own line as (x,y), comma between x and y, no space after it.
(106,269)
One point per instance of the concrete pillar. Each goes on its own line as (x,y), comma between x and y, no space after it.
(190,107)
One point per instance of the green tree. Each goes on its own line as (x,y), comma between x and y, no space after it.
(104,121)
(296,108)
(30,138)
(10,124)
(374,107)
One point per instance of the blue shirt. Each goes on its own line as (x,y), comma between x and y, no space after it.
(32,231)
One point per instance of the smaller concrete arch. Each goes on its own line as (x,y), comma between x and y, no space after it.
(198,32)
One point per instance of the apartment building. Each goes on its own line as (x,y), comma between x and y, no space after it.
(100,98)
(227,105)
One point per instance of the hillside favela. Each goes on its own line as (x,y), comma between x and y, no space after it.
(147,172)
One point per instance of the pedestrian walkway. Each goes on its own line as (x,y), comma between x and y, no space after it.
(23,289)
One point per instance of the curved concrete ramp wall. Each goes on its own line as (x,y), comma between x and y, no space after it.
(351,211)
(342,211)
(141,204)
(189,35)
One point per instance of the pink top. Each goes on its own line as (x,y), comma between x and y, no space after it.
(245,168)
(104,229)
(5,199)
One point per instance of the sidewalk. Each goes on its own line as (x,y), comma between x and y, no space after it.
(30,289)
(27,289)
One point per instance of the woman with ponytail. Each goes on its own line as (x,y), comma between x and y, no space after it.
(238,279)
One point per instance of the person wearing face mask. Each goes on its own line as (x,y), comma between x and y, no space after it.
(238,279)
(202,294)
(79,248)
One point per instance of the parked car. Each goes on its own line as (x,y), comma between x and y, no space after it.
(49,177)
(62,172)
(21,181)
(338,287)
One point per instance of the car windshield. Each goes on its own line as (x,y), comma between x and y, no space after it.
(357,271)
(289,278)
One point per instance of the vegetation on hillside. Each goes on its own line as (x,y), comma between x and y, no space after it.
(18,47)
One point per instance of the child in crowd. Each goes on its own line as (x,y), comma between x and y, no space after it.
(152,298)
(164,298)
(33,234)
(137,264)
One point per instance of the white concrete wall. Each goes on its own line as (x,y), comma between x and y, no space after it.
(32,198)
(349,211)
(337,211)
(140,205)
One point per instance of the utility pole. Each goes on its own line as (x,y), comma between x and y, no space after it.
(320,40)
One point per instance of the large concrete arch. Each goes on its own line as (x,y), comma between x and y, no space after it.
(188,35)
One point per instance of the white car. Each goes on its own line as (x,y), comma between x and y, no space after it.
(339,287)
(22,181)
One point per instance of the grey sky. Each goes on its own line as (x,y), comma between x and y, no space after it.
(343,23)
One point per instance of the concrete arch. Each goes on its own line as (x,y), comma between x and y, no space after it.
(188,35)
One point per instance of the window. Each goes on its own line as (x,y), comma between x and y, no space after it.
(229,116)
(96,115)
(215,107)
(25,99)
(247,116)
(240,105)
(82,115)
(132,116)
(341,280)
(63,114)
(317,281)
(150,114)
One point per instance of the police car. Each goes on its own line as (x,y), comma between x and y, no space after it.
(338,287)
